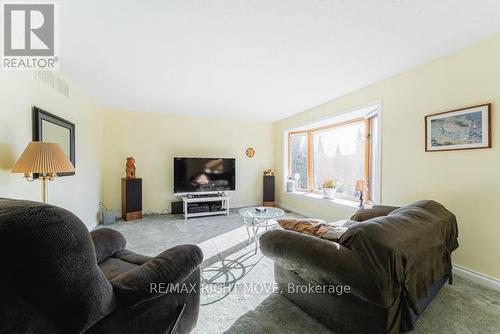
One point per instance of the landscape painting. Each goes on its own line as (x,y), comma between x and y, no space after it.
(461,129)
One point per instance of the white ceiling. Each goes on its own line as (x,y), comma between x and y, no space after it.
(255,59)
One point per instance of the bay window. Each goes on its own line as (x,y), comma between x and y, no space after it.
(345,151)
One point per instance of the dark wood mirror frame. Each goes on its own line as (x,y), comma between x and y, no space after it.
(39,116)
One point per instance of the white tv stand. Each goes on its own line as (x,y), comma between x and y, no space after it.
(186,200)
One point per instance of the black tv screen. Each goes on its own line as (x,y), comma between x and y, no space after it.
(204,175)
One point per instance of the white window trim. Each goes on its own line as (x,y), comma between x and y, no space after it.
(338,116)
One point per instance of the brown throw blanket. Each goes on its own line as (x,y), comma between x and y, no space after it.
(406,251)
(316,227)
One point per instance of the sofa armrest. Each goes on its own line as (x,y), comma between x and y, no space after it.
(332,261)
(107,242)
(375,211)
(152,279)
(158,315)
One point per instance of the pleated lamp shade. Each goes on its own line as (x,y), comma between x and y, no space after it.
(361,185)
(43,158)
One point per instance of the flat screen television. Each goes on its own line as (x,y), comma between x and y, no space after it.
(204,175)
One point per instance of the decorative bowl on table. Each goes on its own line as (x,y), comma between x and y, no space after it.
(260,209)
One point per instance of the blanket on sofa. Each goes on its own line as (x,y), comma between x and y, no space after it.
(406,251)
(319,228)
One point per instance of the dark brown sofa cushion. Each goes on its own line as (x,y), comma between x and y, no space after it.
(170,267)
(121,262)
(107,242)
(375,211)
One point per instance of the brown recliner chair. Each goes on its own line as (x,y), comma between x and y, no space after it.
(56,277)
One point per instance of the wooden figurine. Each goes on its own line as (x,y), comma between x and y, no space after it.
(130,168)
(268,172)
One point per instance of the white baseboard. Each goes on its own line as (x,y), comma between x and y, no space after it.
(240,205)
(476,277)
(155,212)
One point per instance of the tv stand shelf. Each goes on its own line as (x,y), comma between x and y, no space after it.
(224,210)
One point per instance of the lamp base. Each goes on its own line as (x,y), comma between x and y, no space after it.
(45,188)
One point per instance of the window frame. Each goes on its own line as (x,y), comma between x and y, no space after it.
(367,163)
(290,135)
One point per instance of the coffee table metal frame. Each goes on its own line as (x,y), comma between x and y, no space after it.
(254,220)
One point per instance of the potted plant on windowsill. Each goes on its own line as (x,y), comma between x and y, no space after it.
(329,188)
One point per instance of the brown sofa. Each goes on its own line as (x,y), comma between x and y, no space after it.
(385,269)
(59,278)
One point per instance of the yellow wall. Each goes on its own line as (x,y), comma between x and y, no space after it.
(19,91)
(153,139)
(466,182)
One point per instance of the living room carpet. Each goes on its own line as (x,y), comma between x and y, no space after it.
(238,293)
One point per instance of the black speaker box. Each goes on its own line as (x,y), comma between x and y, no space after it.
(177,208)
(131,199)
(268,191)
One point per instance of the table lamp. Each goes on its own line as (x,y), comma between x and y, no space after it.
(361,186)
(45,159)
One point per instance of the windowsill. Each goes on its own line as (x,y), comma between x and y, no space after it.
(317,197)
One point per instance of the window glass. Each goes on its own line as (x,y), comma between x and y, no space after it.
(339,153)
(298,159)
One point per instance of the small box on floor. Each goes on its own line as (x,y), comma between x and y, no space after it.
(108,217)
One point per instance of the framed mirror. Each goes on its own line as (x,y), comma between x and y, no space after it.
(51,128)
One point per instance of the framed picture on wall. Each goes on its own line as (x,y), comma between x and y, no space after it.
(52,128)
(460,129)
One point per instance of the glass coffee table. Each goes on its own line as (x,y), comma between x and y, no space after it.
(253,219)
